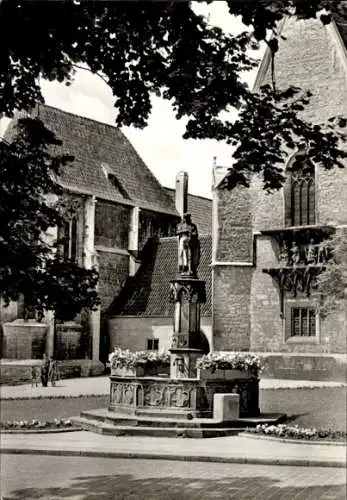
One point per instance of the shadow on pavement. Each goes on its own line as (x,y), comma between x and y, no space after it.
(126,487)
(295,416)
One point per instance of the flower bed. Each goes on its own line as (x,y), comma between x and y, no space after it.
(24,425)
(141,363)
(284,431)
(243,362)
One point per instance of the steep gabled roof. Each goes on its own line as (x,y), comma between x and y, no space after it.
(311,56)
(106,164)
(147,293)
(340,19)
(201,210)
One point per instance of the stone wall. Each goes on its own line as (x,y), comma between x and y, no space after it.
(304,366)
(232,271)
(234,226)
(112,225)
(231,308)
(155,224)
(16,373)
(132,333)
(24,340)
(68,337)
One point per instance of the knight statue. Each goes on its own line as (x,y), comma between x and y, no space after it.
(188,247)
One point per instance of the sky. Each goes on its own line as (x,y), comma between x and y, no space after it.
(160,144)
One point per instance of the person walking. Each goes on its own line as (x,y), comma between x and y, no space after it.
(52,371)
(33,376)
(44,371)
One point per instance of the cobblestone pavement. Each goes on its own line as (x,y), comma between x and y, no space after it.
(71,478)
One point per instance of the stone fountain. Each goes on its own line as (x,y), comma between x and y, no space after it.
(191,402)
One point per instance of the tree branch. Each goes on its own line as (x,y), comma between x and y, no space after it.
(90,71)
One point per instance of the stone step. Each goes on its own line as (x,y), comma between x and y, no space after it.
(130,430)
(135,421)
(110,419)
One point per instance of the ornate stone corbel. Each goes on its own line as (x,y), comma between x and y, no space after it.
(68,205)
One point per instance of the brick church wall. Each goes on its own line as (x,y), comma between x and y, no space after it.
(246,300)
(234,223)
(316,65)
(232,284)
(112,224)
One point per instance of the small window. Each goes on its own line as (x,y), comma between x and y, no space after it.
(116,184)
(303,322)
(152,344)
(70,240)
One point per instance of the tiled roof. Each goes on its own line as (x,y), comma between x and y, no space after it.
(100,149)
(201,210)
(147,293)
(341,20)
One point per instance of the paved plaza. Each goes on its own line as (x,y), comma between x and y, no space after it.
(86,466)
(100,386)
(71,478)
(230,449)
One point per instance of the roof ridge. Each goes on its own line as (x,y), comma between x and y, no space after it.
(81,116)
(155,198)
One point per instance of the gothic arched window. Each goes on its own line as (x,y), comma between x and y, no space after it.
(300,194)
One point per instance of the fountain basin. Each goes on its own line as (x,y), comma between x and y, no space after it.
(180,398)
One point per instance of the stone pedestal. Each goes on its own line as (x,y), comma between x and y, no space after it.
(24,339)
(187,293)
(68,340)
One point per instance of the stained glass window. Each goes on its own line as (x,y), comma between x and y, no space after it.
(300,195)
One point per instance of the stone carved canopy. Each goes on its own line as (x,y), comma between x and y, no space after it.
(303,253)
(192,290)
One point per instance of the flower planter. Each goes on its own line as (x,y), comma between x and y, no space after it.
(163,370)
(156,369)
(206,374)
(146,370)
(138,371)
(143,363)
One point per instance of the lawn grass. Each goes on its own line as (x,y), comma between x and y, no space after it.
(322,408)
(50,408)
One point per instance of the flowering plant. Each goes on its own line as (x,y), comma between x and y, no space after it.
(121,358)
(152,357)
(296,432)
(229,361)
(35,424)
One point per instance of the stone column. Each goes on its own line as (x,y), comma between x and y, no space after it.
(49,317)
(187,294)
(89,259)
(51,236)
(134,241)
(181,200)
